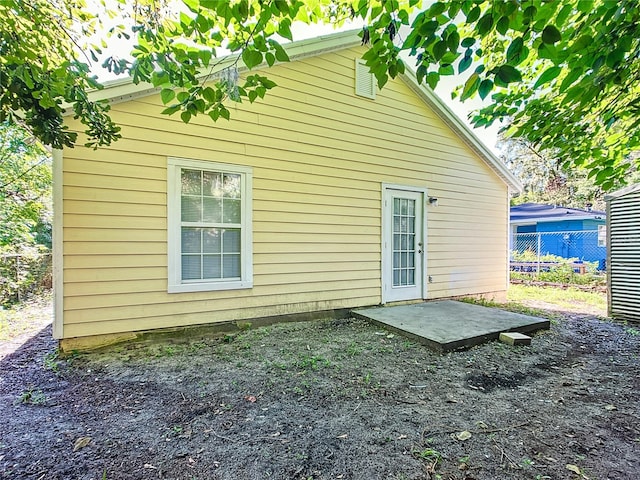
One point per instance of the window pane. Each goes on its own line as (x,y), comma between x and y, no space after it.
(404,257)
(212,266)
(231,266)
(396,206)
(191,267)
(191,182)
(411,277)
(396,223)
(211,240)
(403,277)
(412,260)
(396,242)
(212,184)
(231,186)
(411,207)
(396,259)
(403,224)
(231,211)
(191,240)
(212,210)
(231,241)
(396,278)
(403,206)
(191,209)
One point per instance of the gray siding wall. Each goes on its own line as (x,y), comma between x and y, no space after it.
(623,218)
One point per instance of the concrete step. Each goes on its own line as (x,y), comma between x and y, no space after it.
(515,338)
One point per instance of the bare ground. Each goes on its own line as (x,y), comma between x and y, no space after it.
(334,399)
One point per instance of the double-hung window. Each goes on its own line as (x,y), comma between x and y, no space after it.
(209,226)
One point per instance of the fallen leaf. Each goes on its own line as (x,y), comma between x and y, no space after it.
(391,335)
(149,466)
(401,437)
(81,442)
(342,436)
(464,435)
(574,468)
(610,407)
(251,398)
(482,425)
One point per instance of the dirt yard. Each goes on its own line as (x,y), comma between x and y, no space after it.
(327,400)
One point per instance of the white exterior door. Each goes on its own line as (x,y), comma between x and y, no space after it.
(403,257)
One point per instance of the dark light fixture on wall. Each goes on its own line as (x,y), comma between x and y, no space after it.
(433,201)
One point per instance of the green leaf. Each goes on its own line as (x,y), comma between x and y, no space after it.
(284,29)
(615,57)
(548,51)
(251,57)
(551,34)
(503,25)
(446,70)
(484,24)
(224,113)
(571,77)
(439,49)
(514,50)
(484,88)
(185,116)
(436,9)
(167,94)
(281,54)
(432,79)
(470,87)
(453,40)
(464,64)
(170,110)
(473,14)
(270,58)
(509,74)
(582,42)
(209,94)
(421,72)
(266,83)
(468,42)
(548,75)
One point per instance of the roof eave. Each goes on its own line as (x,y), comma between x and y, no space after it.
(123,89)
(623,191)
(555,219)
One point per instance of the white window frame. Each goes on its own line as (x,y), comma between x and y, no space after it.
(174,227)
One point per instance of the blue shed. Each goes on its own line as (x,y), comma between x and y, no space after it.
(562,231)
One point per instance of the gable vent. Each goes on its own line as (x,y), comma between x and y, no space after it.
(365,80)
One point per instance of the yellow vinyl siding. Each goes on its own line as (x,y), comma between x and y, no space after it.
(319,156)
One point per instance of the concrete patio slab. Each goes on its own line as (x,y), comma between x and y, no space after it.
(449,325)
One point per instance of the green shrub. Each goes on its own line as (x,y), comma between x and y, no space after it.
(23,273)
(561,272)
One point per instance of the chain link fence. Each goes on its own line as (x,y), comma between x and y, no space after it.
(583,251)
(22,274)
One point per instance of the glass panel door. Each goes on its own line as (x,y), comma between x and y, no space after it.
(402,249)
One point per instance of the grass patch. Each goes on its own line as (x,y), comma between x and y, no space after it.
(568,298)
(25,318)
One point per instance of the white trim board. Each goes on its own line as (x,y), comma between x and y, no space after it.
(57,257)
